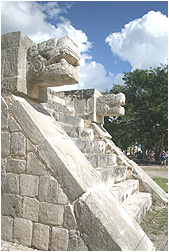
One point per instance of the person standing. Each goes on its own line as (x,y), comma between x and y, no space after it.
(163,158)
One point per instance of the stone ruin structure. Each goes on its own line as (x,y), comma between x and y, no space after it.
(65,184)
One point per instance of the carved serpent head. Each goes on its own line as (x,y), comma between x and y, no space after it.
(53,62)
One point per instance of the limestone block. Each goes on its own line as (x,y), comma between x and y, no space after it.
(5,144)
(6,228)
(30,209)
(16,165)
(15,39)
(29,185)
(51,213)
(62,198)
(59,239)
(34,165)
(3,165)
(106,225)
(64,160)
(30,146)
(10,183)
(75,242)
(13,125)
(22,231)
(11,205)
(48,189)
(40,236)
(9,84)
(11,62)
(69,218)
(92,159)
(4,119)
(73,171)
(18,143)
(24,112)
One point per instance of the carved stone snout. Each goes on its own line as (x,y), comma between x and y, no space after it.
(53,62)
(110,105)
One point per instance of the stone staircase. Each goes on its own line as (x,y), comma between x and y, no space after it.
(115,176)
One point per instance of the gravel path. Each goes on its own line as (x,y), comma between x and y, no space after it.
(10,246)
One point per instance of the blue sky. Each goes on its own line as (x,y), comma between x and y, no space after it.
(113,36)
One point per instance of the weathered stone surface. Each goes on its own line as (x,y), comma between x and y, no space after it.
(22,231)
(18,143)
(62,198)
(3,165)
(69,166)
(10,183)
(13,125)
(110,105)
(30,209)
(125,189)
(112,174)
(30,146)
(51,213)
(105,230)
(6,228)
(48,189)
(59,239)
(29,185)
(89,146)
(3,103)
(14,39)
(73,170)
(91,105)
(11,62)
(40,236)
(4,119)
(5,144)
(11,205)
(138,204)
(26,66)
(69,218)
(16,165)
(75,242)
(34,165)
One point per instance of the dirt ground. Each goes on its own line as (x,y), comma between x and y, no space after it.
(155,171)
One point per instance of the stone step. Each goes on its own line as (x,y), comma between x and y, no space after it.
(68,119)
(123,190)
(77,132)
(113,174)
(138,204)
(58,107)
(90,146)
(101,160)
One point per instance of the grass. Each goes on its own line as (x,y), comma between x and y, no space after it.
(156,219)
(162,182)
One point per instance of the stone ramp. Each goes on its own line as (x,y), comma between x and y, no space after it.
(101,219)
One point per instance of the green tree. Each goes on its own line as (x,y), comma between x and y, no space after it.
(146,111)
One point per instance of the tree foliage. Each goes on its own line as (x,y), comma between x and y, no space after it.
(146,111)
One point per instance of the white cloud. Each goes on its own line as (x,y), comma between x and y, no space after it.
(92,75)
(31,18)
(143,42)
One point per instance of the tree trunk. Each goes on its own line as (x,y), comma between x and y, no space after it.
(144,151)
(158,148)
